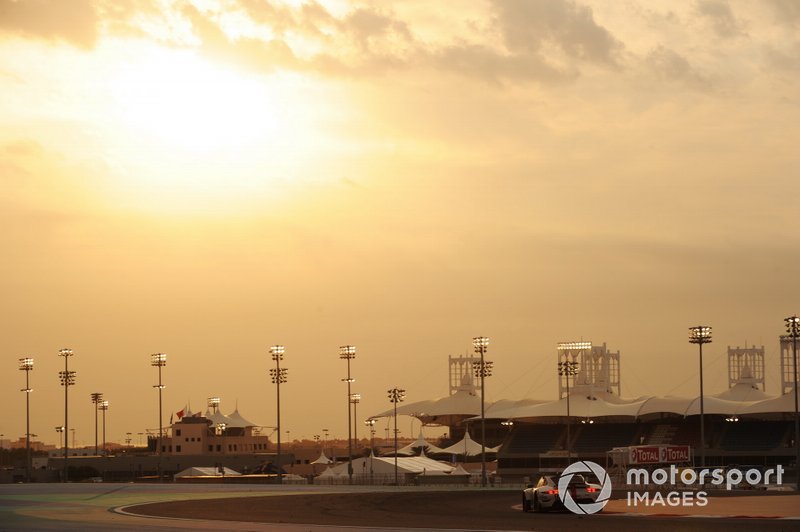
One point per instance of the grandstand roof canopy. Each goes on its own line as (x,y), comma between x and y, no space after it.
(585,402)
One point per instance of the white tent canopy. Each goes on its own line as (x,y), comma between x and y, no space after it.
(206,472)
(467,447)
(238,421)
(385,466)
(322,459)
(419,444)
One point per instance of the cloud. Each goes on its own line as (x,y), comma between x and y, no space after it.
(74,22)
(669,65)
(252,53)
(528,26)
(719,14)
(785,11)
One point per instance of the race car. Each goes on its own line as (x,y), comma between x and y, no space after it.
(543,495)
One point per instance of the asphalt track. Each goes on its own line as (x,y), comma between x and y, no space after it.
(326,509)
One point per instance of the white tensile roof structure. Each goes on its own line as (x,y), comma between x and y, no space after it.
(580,405)
(776,405)
(218,418)
(385,466)
(419,444)
(238,421)
(467,447)
(206,472)
(322,459)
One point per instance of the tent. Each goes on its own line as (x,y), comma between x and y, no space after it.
(238,421)
(206,472)
(385,466)
(322,459)
(419,444)
(467,447)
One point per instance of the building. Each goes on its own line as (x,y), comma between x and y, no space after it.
(213,434)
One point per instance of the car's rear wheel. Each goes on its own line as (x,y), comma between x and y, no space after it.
(526,504)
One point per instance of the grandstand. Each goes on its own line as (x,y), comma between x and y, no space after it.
(743,424)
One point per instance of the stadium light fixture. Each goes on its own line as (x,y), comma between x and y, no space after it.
(279,375)
(159,360)
(213,403)
(701,334)
(26,365)
(348,352)
(793,330)
(396,395)
(67,378)
(482,370)
(573,346)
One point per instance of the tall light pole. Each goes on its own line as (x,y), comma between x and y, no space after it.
(396,395)
(60,431)
(793,329)
(279,376)
(355,398)
(159,360)
(568,368)
(26,365)
(67,379)
(482,369)
(96,398)
(104,407)
(348,352)
(371,424)
(701,334)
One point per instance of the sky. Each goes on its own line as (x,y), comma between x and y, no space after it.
(208,178)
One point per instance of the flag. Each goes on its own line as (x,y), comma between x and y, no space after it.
(180,413)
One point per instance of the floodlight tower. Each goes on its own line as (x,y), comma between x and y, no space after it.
(371,424)
(396,395)
(67,379)
(279,376)
(96,397)
(793,331)
(355,398)
(348,352)
(569,368)
(701,334)
(482,369)
(159,360)
(213,404)
(26,365)
(60,431)
(104,407)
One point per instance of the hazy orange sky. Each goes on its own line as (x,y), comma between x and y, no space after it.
(209,178)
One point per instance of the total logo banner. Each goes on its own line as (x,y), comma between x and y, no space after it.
(673,486)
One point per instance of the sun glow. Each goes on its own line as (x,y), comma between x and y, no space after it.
(180,99)
(187,134)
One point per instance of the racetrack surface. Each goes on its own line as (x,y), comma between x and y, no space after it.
(463,510)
